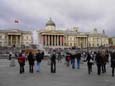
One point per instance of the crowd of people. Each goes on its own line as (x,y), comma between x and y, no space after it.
(72,57)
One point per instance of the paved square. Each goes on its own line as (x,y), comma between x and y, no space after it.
(9,76)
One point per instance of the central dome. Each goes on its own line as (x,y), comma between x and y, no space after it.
(50,23)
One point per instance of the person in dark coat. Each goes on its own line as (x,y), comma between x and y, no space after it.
(89,63)
(38,59)
(53,62)
(98,60)
(31,62)
(104,61)
(73,60)
(42,55)
(113,62)
(78,57)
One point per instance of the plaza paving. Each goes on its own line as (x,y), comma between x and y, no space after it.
(9,76)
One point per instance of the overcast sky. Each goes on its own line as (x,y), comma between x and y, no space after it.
(33,14)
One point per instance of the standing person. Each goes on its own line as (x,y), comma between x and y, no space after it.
(10,54)
(68,58)
(104,61)
(53,62)
(78,57)
(42,55)
(89,63)
(12,58)
(98,60)
(31,62)
(113,62)
(59,57)
(73,59)
(38,59)
(21,61)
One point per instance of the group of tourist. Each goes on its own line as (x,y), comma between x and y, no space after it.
(72,57)
(31,58)
(100,58)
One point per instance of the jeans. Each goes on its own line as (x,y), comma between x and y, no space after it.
(53,67)
(78,64)
(73,63)
(38,66)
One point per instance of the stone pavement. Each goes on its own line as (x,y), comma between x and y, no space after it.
(9,76)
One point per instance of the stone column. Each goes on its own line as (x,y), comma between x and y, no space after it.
(51,40)
(57,39)
(60,40)
(45,40)
(8,40)
(48,40)
(17,44)
(11,40)
(20,37)
(86,42)
(54,40)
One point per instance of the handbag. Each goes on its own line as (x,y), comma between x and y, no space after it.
(91,61)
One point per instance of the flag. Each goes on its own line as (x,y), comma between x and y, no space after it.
(16,21)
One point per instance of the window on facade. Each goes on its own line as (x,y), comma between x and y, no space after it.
(74,44)
(0,43)
(70,44)
(0,37)
(93,45)
(27,37)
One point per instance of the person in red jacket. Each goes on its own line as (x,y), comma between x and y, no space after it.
(21,61)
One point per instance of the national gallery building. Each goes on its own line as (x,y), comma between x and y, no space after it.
(51,37)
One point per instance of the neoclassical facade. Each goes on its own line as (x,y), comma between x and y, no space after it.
(50,37)
(15,37)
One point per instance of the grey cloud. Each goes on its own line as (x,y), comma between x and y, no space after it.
(87,14)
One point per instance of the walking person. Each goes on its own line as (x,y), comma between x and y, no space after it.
(73,55)
(31,62)
(89,63)
(78,57)
(21,61)
(53,62)
(113,62)
(98,60)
